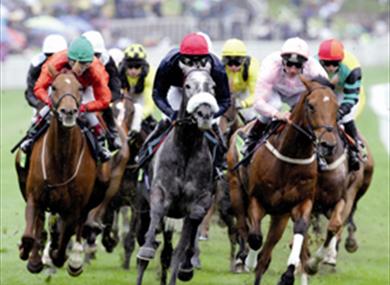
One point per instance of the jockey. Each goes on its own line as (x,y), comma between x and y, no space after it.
(279,83)
(242,71)
(51,44)
(99,48)
(137,78)
(167,90)
(89,72)
(345,73)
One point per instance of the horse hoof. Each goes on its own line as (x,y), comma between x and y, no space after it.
(195,261)
(311,267)
(26,247)
(74,272)
(35,267)
(203,237)
(287,277)
(185,274)
(255,241)
(351,245)
(238,266)
(146,253)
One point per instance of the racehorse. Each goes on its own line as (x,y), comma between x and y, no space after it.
(124,111)
(337,195)
(281,178)
(181,177)
(61,178)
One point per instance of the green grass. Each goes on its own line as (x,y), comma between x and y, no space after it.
(368,266)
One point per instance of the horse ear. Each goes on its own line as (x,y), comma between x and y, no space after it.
(186,69)
(308,83)
(53,72)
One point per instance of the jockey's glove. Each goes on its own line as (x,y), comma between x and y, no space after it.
(344,109)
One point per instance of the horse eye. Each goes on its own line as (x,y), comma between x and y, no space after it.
(53,88)
(187,86)
(311,108)
(80,89)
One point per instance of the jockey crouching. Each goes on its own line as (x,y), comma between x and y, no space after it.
(278,83)
(114,83)
(345,73)
(51,44)
(137,77)
(242,71)
(168,91)
(89,72)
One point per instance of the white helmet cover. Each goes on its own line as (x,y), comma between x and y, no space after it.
(54,43)
(96,40)
(295,46)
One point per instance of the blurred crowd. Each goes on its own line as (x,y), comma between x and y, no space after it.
(24,23)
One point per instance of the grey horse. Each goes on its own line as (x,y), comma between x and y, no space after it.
(181,178)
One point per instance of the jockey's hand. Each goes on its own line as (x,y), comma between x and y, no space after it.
(282,116)
(343,110)
(83,108)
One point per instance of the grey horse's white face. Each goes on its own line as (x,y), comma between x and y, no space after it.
(199,88)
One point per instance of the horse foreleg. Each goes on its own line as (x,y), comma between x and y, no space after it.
(35,264)
(157,212)
(204,226)
(28,235)
(255,213)
(76,256)
(67,229)
(277,227)
(327,251)
(301,216)
(166,255)
(129,238)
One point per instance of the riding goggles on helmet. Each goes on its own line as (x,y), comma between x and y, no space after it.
(194,60)
(335,63)
(233,61)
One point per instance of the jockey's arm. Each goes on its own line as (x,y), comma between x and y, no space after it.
(43,83)
(351,89)
(114,82)
(32,77)
(148,89)
(99,81)
(222,93)
(252,79)
(160,92)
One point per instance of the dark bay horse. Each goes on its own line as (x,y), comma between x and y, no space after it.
(338,191)
(181,178)
(281,178)
(61,177)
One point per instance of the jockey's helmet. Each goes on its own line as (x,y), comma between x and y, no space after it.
(194,45)
(295,50)
(208,40)
(135,52)
(80,50)
(54,43)
(96,40)
(331,50)
(116,54)
(234,47)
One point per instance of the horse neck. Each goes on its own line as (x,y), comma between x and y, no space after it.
(293,142)
(63,148)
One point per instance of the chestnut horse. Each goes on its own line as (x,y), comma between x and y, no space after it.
(337,195)
(281,178)
(61,177)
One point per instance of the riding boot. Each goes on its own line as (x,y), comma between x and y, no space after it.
(103,153)
(253,137)
(39,124)
(353,148)
(114,141)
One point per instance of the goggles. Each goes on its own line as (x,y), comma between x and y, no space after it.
(335,63)
(134,65)
(298,65)
(233,61)
(194,61)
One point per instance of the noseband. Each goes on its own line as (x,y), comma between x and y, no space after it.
(57,104)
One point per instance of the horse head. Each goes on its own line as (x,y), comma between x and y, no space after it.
(65,96)
(320,109)
(199,96)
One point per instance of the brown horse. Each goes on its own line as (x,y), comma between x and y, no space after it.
(118,165)
(281,178)
(61,177)
(338,191)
